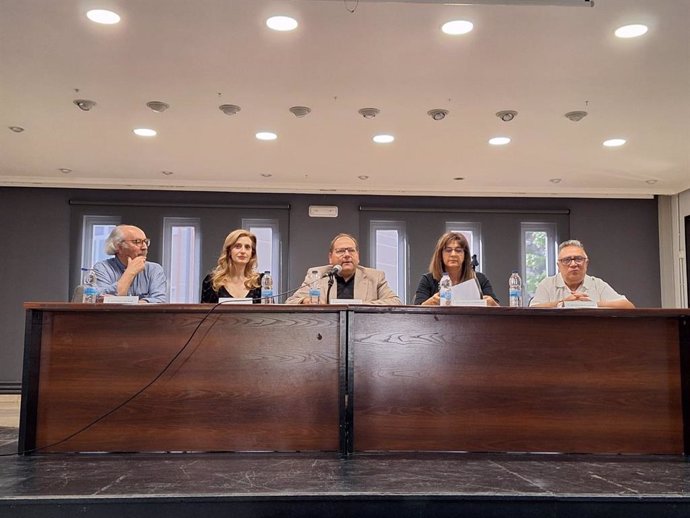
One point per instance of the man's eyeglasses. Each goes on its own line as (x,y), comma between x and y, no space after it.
(450,250)
(577,259)
(139,242)
(343,251)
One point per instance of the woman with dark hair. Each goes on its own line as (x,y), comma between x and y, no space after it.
(235,274)
(452,255)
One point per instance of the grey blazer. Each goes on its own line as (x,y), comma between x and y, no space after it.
(371,287)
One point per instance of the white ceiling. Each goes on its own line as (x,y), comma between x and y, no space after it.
(542,61)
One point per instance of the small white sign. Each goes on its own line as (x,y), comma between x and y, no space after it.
(346,301)
(323,211)
(233,300)
(120,299)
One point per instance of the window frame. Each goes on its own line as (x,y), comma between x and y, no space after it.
(87,243)
(477,242)
(403,260)
(276,251)
(551,229)
(193,290)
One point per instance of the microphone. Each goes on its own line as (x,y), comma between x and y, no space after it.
(334,270)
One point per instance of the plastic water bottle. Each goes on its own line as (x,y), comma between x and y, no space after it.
(445,290)
(90,288)
(314,290)
(515,290)
(267,288)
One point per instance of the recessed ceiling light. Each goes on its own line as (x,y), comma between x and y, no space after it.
(145,132)
(651,181)
(457,27)
(614,142)
(167,173)
(16,129)
(266,135)
(266,175)
(499,141)
(281,23)
(103,16)
(65,170)
(631,31)
(383,139)
(459,178)
(363,177)
(555,180)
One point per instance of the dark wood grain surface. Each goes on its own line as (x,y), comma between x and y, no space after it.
(517,381)
(255,380)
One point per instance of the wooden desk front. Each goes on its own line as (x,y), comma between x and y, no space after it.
(254,378)
(511,379)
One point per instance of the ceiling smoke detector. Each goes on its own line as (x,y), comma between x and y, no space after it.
(576,116)
(506,115)
(158,106)
(369,113)
(229,109)
(300,111)
(437,114)
(84,104)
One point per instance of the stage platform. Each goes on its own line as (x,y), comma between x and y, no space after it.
(439,485)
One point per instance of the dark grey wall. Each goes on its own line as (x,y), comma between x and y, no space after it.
(41,232)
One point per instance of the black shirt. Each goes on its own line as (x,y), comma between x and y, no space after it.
(208,294)
(428,286)
(346,289)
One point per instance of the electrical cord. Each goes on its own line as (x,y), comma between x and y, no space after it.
(145,387)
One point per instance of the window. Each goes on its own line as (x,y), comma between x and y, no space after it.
(95,231)
(389,253)
(472,231)
(267,246)
(181,253)
(538,254)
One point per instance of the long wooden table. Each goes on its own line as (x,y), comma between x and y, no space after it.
(351,379)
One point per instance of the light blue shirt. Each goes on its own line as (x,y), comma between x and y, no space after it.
(149,284)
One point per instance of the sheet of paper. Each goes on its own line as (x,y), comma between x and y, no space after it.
(468,290)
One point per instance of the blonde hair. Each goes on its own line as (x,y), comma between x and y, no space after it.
(436,266)
(226,268)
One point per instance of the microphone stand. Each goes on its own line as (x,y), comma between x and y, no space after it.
(330,285)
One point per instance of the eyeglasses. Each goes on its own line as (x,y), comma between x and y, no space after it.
(343,251)
(449,250)
(577,259)
(139,242)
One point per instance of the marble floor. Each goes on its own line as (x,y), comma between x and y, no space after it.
(519,484)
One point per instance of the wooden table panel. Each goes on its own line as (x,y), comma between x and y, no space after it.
(246,381)
(518,381)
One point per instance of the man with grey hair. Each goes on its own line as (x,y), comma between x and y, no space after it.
(573,284)
(128,272)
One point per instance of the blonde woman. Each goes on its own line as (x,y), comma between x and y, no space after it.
(452,255)
(235,274)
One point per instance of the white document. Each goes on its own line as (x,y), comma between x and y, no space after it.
(233,300)
(466,292)
(120,299)
(346,301)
